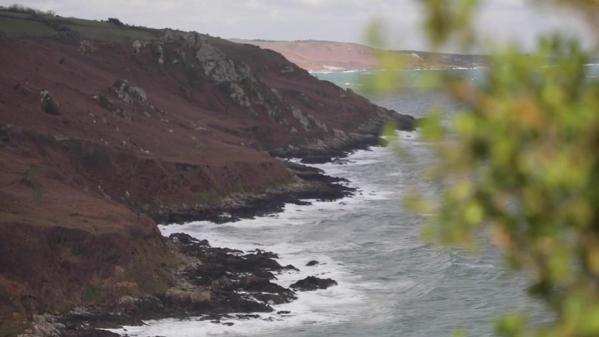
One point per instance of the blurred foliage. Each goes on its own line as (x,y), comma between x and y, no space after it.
(519,164)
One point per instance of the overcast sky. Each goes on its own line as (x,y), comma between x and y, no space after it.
(340,20)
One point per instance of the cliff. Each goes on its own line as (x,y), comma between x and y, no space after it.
(339,56)
(106,129)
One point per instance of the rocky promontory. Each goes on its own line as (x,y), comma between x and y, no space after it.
(107,129)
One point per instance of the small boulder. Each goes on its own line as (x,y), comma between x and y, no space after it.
(105,102)
(128,93)
(138,94)
(49,105)
(312,263)
(87,47)
(160,52)
(311,283)
(288,69)
(290,267)
(137,45)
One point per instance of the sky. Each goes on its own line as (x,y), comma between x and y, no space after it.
(336,20)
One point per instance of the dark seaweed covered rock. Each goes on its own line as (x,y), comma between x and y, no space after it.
(228,271)
(313,283)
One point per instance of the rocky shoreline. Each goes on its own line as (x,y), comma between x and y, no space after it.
(140,126)
(212,283)
(310,183)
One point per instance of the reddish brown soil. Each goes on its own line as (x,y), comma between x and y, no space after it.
(323,55)
(78,190)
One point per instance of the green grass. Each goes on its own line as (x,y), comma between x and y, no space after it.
(107,31)
(18,24)
(19,27)
(15,14)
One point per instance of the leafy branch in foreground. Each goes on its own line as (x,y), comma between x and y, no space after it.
(520,165)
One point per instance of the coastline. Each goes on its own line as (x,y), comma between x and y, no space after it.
(147,126)
(229,283)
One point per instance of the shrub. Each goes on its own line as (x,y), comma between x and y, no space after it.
(116,22)
(49,105)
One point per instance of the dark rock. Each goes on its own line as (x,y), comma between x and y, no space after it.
(248,316)
(116,22)
(313,283)
(227,271)
(186,239)
(49,105)
(266,254)
(105,102)
(277,298)
(290,267)
(312,263)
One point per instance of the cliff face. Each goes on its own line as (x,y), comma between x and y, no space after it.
(101,137)
(323,55)
(340,56)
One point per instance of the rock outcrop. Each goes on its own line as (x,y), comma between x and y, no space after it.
(208,280)
(312,283)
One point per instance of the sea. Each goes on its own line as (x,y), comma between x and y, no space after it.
(391,282)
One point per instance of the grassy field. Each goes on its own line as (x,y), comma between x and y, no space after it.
(26,24)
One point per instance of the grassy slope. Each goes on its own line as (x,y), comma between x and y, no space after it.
(44,221)
(23,24)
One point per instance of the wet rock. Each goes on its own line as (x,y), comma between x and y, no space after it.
(312,263)
(228,271)
(247,316)
(268,255)
(186,239)
(290,267)
(313,283)
(49,104)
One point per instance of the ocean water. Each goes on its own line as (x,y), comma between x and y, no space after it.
(391,282)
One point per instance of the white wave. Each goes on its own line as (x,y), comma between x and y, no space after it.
(352,71)
(335,305)
(333,68)
(338,304)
